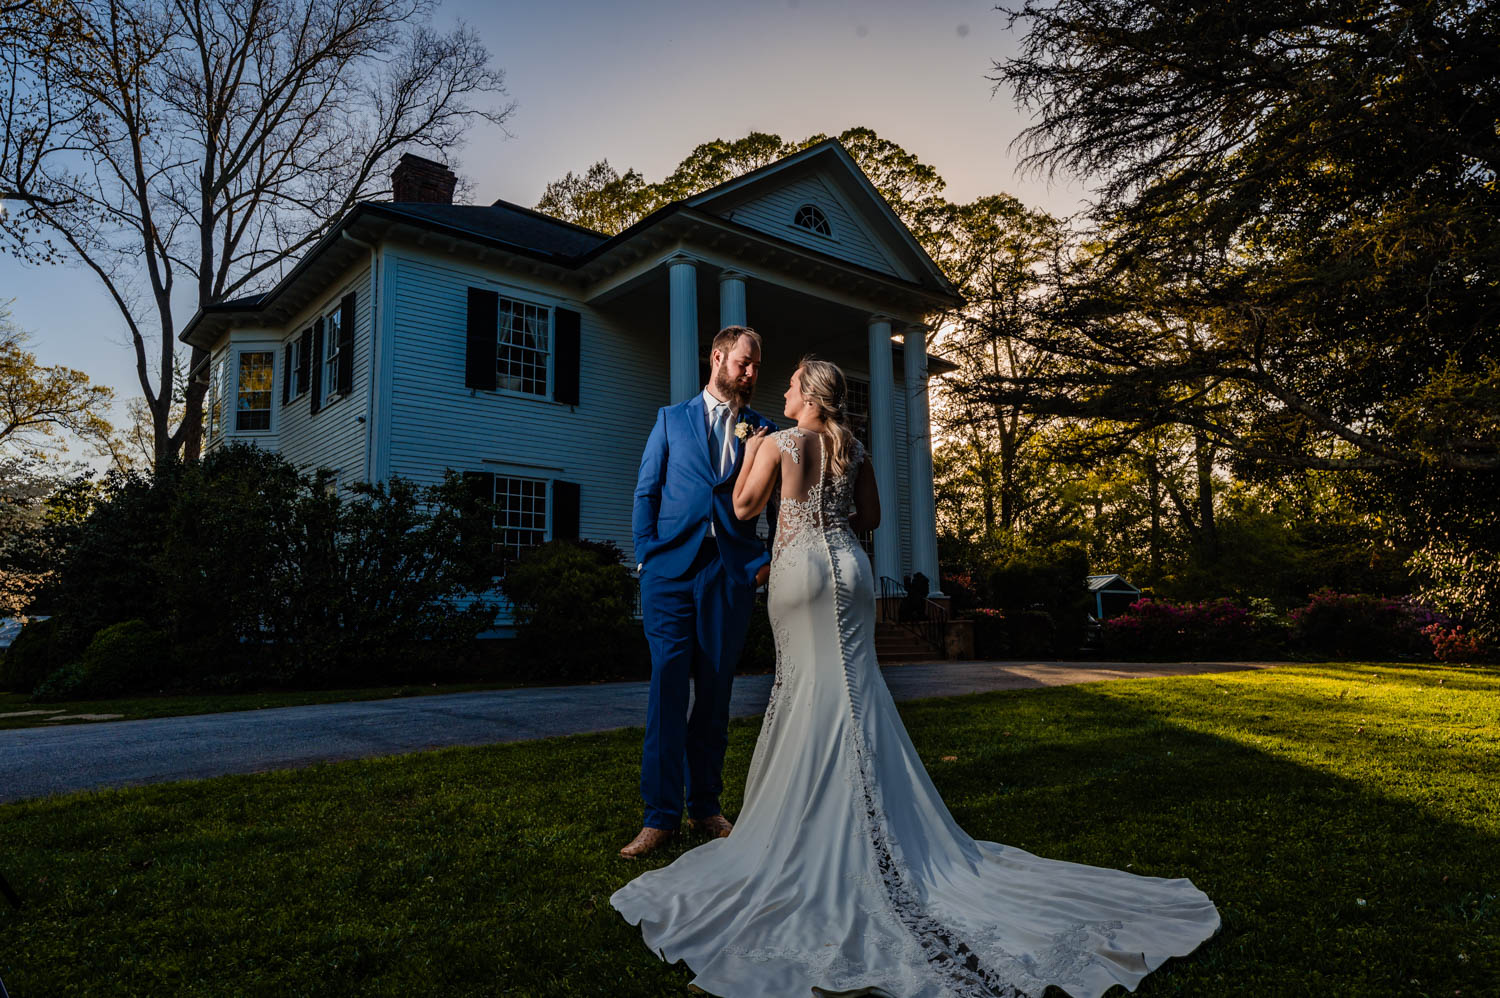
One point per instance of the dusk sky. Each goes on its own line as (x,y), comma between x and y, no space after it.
(640,84)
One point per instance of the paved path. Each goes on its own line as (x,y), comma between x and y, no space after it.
(35,762)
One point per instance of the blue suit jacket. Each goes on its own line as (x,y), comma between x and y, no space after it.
(678,490)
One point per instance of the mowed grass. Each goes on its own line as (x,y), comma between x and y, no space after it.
(1345,819)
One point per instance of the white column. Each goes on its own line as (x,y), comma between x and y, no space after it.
(924,556)
(731,299)
(883,449)
(683,283)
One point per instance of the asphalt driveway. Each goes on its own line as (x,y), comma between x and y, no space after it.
(35,762)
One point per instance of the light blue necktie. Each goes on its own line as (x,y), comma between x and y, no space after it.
(721,425)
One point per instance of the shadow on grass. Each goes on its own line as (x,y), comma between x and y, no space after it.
(488,871)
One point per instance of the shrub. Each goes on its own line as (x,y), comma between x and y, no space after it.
(1360,625)
(261,574)
(1034,634)
(991,639)
(1047,581)
(1455,644)
(959,588)
(1161,629)
(574,614)
(122,658)
(34,653)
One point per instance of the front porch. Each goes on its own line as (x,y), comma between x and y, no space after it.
(692,293)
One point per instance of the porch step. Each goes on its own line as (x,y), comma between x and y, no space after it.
(895,644)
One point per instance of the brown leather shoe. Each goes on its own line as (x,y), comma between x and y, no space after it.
(715,825)
(649,840)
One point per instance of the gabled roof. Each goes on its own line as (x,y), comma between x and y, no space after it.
(831,156)
(1115,583)
(508,223)
(525,232)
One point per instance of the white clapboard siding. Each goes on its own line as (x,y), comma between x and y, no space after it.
(773,212)
(436,422)
(333,437)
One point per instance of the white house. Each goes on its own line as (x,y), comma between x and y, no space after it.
(420,335)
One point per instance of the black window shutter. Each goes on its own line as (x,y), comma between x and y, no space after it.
(346,344)
(286,374)
(566,359)
(565,508)
(317,366)
(303,360)
(484,319)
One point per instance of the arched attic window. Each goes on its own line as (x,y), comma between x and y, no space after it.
(810,216)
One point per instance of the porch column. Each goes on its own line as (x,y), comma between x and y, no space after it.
(883,449)
(682,280)
(731,299)
(924,556)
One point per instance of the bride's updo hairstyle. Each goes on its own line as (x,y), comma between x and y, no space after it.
(822,384)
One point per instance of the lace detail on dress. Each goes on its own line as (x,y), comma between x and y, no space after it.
(828,503)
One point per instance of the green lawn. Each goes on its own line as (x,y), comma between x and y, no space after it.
(1344,818)
(205,703)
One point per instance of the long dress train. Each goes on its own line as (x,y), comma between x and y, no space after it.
(846,874)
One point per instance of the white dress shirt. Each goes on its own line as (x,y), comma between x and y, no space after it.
(721,459)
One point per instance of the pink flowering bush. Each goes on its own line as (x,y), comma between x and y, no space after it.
(1455,644)
(1360,625)
(1161,629)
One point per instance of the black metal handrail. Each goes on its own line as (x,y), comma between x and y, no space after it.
(931,624)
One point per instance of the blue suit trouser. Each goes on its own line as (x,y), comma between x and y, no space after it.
(696,628)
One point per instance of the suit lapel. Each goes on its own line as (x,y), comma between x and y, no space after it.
(746,415)
(696,415)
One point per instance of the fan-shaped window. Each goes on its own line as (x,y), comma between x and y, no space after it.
(810,216)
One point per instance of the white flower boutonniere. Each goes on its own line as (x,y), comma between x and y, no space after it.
(742,429)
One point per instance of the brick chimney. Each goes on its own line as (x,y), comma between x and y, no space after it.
(418,179)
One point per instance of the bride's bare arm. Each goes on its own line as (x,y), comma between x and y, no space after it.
(757,477)
(866,500)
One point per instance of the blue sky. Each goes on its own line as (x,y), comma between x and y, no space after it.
(642,83)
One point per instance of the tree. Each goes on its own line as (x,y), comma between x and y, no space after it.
(37,402)
(1311,186)
(603,199)
(171,142)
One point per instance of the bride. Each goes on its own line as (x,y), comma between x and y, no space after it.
(845,873)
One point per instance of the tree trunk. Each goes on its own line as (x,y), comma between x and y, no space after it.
(1208,535)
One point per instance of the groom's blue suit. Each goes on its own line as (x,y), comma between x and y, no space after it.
(696,595)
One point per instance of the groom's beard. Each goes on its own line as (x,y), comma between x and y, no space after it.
(727,389)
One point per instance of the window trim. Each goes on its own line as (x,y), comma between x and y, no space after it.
(297,390)
(496,477)
(331,342)
(218,373)
(827,221)
(550,388)
(270,409)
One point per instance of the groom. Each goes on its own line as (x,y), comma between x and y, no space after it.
(699,567)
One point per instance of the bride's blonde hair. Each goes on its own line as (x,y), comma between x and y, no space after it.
(822,383)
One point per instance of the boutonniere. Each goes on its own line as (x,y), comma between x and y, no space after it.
(742,429)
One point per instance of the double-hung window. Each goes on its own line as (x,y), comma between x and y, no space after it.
(521,514)
(293,374)
(252,409)
(523,347)
(218,373)
(332,326)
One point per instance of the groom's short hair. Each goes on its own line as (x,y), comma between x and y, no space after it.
(730,335)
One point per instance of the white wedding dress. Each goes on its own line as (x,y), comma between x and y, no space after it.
(845,873)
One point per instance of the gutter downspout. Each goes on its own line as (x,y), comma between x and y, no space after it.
(374,348)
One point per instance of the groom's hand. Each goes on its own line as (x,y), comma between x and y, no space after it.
(761,575)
